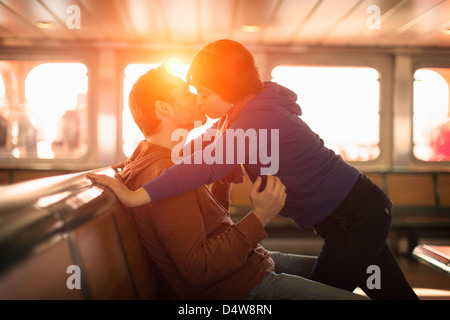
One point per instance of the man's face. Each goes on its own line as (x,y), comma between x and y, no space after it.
(185,105)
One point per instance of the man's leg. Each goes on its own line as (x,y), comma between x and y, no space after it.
(295,264)
(282,286)
(288,281)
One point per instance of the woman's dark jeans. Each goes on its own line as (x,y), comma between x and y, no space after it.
(354,239)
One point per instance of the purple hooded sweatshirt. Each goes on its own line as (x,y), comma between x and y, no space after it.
(317,180)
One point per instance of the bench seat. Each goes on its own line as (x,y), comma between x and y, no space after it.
(421,205)
(49,225)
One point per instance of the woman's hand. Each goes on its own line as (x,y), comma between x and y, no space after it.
(269,202)
(126,196)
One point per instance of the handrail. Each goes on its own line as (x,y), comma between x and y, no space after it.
(21,193)
(37,210)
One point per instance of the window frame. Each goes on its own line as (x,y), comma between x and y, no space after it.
(88,159)
(417,64)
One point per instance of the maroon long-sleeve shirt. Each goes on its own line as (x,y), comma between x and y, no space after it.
(198,250)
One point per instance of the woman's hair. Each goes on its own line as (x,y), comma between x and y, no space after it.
(154,85)
(227,68)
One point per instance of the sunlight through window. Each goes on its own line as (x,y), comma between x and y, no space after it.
(341,104)
(4,125)
(2,92)
(46,120)
(56,107)
(431,119)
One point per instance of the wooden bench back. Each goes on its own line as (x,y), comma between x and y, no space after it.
(424,189)
(87,228)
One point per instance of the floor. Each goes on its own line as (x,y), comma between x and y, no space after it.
(428,283)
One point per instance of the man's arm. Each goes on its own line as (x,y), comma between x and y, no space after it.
(269,202)
(222,192)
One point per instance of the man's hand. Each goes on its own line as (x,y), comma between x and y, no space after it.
(126,196)
(269,202)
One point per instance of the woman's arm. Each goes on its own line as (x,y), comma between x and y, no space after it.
(126,196)
(200,168)
(180,178)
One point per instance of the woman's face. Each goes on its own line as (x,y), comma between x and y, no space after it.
(212,104)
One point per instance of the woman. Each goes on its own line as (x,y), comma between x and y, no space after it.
(344,206)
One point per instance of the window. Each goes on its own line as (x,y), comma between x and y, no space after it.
(45,110)
(2,92)
(431,122)
(130,132)
(3,120)
(341,104)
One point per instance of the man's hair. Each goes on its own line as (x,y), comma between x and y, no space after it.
(149,88)
(227,68)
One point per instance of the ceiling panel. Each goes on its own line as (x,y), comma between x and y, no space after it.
(427,27)
(290,19)
(360,22)
(32,13)
(327,15)
(418,18)
(5,33)
(250,14)
(395,20)
(89,28)
(111,17)
(434,37)
(148,21)
(217,18)
(182,20)
(15,23)
(279,22)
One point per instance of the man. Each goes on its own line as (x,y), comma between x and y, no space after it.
(198,250)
